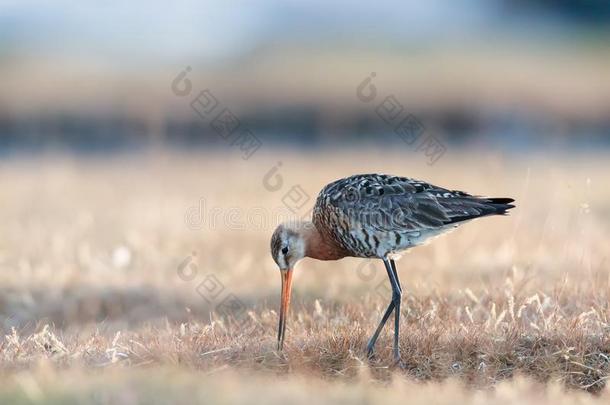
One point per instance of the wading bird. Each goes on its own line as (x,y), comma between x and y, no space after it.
(373,216)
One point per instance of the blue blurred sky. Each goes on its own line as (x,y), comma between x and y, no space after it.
(212,30)
(476,69)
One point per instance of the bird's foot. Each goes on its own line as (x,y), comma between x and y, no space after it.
(398,360)
(370,350)
(399,363)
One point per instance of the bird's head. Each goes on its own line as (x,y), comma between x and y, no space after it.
(288,246)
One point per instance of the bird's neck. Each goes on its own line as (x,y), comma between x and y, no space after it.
(320,248)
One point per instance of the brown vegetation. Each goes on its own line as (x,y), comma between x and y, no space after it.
(94,288)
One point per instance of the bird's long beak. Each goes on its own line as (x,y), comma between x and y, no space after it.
(286,288)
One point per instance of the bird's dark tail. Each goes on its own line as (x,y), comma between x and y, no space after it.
(501,205)
(476,207)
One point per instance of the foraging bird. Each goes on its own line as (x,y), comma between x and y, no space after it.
(374,216)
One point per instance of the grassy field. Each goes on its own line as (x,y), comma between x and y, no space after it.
(149,279)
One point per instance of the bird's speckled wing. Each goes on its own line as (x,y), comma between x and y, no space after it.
(400,204)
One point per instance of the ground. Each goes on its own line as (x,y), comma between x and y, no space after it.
(148,279)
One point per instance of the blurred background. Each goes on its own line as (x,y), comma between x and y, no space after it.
(507,75)
(140,138)
(149,148)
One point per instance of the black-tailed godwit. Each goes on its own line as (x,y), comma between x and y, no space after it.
(374,216)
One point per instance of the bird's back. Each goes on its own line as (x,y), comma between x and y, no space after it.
(376,215)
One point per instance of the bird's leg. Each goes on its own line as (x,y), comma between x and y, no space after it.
(396,275)
(396,292)
(371,344)
(396,297)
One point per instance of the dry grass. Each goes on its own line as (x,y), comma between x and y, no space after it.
(175,386)
(90,290)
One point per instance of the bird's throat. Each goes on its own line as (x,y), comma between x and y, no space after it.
(320,248)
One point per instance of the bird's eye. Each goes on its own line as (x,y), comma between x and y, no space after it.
(284,250)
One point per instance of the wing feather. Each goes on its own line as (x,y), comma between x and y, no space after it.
(401,204)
